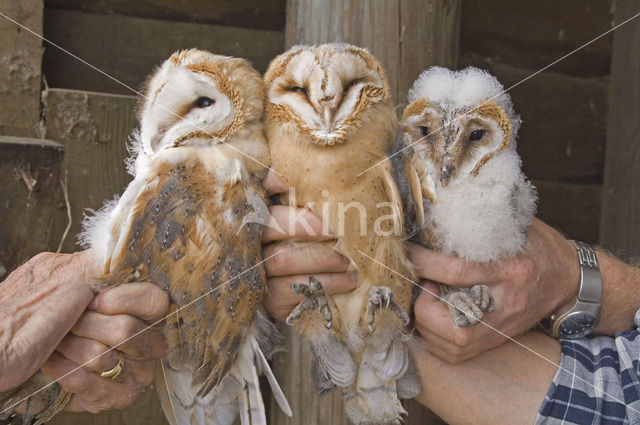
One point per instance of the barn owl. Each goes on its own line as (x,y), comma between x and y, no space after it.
(461,179)
(330,117)
(200,155)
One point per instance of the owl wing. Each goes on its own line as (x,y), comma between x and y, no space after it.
(184,233)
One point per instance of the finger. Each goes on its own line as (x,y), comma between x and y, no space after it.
(88,353)
(287,258)
(295,224)
(279,299)
(124,332)
(143,300)
(273,184)
(450,269)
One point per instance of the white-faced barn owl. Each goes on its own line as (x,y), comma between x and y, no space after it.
(197,167)
(460,176)
(330,117)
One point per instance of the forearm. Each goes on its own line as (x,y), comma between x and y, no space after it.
(39,303)
(505,385)
(620,294)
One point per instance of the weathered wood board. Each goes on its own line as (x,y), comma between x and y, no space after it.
(128,48)
(94,129)
(620,223)
(262,14)
(563,133)
(20,65)
(406,35)
(574,209)
(32,199)
(533,34)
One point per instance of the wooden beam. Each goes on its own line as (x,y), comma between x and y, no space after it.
(263,14)
(620,225)
(128,48)
(94,129)
(20,68)
(533,34)
(407,36)
(32,199)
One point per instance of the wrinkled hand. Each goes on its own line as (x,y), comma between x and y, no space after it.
(298,256)
(119,315)
(525,289)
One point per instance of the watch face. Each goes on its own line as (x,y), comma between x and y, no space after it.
(577,325)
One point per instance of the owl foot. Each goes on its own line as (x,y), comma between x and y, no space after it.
(467,307)
(315,299)
(381,297)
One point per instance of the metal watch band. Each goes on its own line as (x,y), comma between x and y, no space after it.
(590,279)
(584,315)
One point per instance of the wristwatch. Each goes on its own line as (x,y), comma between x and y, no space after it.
(581,319)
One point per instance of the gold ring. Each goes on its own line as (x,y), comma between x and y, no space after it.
(116,371)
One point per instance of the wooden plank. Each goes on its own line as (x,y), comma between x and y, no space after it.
(536,33)
(407,36)
(32,199)
(94,129)
(574,209)
(129,48)
(562,136)
(20,68)
(620,226)
(263,14)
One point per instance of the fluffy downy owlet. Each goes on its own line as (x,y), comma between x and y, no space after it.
(330,118)
(179,224)
(460,176)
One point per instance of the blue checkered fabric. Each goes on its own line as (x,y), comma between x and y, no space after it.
(598,382)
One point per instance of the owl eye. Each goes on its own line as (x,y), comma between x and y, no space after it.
(476,135)
(424,130)
(204,102)
(297,89)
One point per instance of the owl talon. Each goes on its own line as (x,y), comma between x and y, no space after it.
(481,295)
(315,299)
(382,297)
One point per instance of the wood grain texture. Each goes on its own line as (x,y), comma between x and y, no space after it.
(563,133)
(534,34)
(128,48)
(573,209)
(406,35)
(20,68)
(32,199)
(620,225)
(94,129)
(263,14)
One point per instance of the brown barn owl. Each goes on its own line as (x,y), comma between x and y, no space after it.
(330,117)
(179,224)
(460,175)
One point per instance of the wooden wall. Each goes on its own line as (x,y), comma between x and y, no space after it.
(88,116)
(564,109)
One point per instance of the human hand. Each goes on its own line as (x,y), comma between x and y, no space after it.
(39,302)
(121,315)
(301,253)
(525,289)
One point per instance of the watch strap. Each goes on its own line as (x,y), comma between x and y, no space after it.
(590,278)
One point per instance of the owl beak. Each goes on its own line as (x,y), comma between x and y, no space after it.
(446,171)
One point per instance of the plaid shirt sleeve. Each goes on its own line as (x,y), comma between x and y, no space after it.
(598,382)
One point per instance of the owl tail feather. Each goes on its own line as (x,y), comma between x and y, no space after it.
(239,391)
